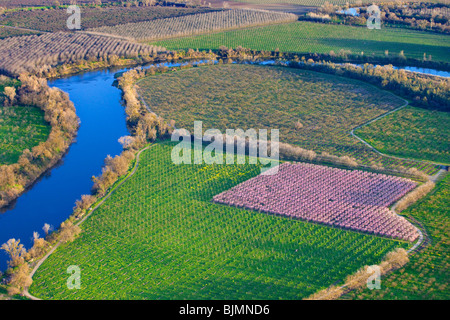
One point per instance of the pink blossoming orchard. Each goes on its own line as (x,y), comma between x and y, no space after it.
(354,200)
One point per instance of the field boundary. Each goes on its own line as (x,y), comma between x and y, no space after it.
(24,29)
(423,236)
(378,151)
(127,177)
(412,249)
(107,35)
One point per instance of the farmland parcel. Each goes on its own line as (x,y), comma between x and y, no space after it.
(159,236)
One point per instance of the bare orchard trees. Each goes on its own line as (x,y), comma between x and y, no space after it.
(195,24)
(392,261)
(10,93)
(430,92)
(145,126)
(16,252)
(113,169)
(60,113)
(38,54)
(415,195)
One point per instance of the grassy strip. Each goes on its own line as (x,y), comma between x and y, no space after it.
(426,275)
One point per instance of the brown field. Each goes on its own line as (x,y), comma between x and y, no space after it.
(92,17)
(39,53)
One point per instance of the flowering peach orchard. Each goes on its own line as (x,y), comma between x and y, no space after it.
(354,200)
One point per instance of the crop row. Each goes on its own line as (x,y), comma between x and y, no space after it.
(354,200)
(412,133)
(195,24)
(32,53)
(304,37)
(159,236)
(54,20)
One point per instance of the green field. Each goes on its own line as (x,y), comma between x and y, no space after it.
(263,97)
(411,133)
(427,274)
(322,38)
(21,127)
(159,236)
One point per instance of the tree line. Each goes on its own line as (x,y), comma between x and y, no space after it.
(427,92)
(392,261)
(17,275)
(59,112)
(417,15)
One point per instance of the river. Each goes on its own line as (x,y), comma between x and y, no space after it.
(52,198)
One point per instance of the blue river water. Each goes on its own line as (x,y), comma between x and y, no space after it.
(52,198)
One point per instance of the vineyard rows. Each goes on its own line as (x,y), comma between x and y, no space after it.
(354,200)
(33,53)
(195,24)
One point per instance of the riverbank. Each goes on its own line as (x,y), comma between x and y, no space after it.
(60,114)
(101,125)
